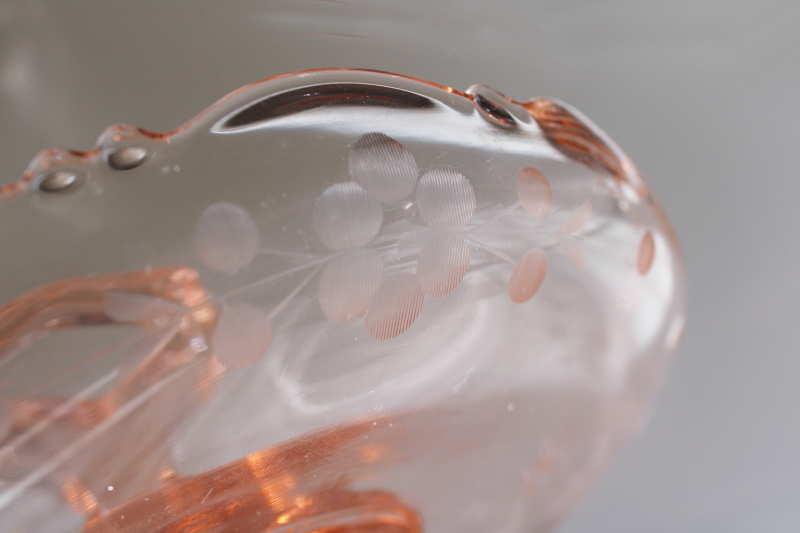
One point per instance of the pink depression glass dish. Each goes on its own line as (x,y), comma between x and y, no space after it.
(336,301)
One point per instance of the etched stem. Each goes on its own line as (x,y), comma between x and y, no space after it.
(292,294)
(505,212)
(498,253)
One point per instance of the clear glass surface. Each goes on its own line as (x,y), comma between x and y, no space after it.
(337,299)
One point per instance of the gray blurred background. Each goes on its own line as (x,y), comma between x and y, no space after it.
(702,94)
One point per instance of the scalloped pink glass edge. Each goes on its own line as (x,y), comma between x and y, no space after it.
(566,128)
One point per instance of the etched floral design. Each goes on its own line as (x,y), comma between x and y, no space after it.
(348,216)
(535,196)
(397,229)
(347,219)
(352,284)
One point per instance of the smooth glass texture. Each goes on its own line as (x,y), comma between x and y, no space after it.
(336,300)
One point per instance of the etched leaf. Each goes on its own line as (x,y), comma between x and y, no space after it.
(446,199)
(394,306)
(577,220)
(527,276)
(646,254)
(348,282)
(534,192)
(443,261)
(573,250)
(242,336)
(346,216)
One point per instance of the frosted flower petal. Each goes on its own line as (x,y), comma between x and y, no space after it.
(527,276)
(534,192)
(348,282)
(242,336)
(383,167)
(394,307)
(573,250)
(446,199)
(226,238)
(577,220)
(442,263)
(346,216)
(646,253)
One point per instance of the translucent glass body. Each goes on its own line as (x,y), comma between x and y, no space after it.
(337,299)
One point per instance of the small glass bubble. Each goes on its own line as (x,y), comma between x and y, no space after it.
(58,181)
(126,158)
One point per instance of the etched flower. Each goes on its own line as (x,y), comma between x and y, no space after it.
(346,219)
